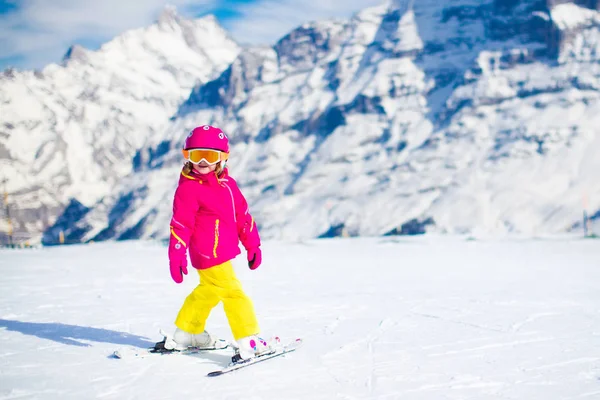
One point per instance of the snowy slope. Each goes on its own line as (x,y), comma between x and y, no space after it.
(456,117)
(71,130)
(413,318)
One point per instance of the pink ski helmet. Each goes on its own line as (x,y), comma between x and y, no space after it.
(207,137)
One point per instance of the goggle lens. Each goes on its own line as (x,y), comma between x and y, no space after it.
(197,155)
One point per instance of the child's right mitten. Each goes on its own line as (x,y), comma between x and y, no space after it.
(177,261)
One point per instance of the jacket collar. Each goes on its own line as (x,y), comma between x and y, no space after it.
(210,178)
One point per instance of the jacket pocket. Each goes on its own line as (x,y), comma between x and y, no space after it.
(216,240)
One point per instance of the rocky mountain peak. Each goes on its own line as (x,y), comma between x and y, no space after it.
(76,53)
(168,17)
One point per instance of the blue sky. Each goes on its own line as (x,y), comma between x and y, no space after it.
(34,33)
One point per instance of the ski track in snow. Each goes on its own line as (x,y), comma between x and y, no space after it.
(423,318)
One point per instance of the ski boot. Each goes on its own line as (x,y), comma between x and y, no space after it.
(182,340)
(253,346)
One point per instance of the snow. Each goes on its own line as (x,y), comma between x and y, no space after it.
(425,317)
(569,16)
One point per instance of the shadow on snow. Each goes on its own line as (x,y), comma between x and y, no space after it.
(72,334)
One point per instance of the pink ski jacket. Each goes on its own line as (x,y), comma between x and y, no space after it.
(210,218)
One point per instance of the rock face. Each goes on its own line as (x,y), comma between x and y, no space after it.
(414,116)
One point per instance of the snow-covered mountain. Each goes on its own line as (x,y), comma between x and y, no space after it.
(70,131)
(462,116)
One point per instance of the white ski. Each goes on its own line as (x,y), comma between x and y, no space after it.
(280,351)
(159,349)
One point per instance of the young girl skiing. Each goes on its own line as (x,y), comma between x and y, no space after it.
(210,218)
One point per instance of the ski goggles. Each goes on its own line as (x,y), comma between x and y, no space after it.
(195,156)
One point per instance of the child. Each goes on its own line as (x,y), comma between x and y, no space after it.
(210,217)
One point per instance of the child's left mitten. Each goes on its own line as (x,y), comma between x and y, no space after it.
(254,258)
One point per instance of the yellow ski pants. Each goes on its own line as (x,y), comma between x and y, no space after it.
(218,283)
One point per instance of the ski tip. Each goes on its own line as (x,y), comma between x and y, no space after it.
(215,373)
(163,333)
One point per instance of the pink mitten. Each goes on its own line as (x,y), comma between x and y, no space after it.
(177,261)
(254,258)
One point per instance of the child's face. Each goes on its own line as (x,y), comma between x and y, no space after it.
(204,168)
